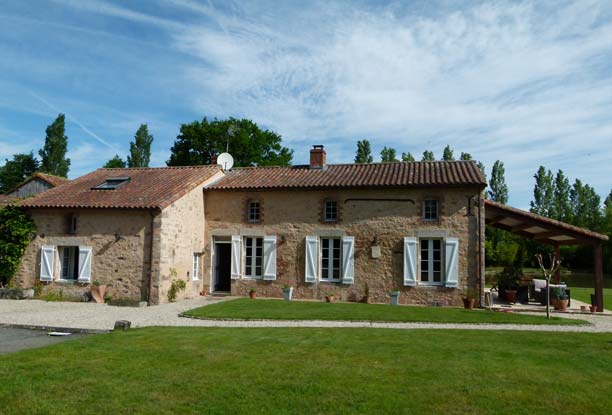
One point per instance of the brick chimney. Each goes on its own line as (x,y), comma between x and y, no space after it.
(318,157)
(213,160)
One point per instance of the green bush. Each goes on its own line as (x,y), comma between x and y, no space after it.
(16,230)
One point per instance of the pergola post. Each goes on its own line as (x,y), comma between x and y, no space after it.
(598,276)
(558,257)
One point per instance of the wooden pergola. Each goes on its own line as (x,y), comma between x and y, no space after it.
(548,231)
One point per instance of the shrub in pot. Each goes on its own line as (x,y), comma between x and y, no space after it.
(469,299)
(508,282)
(561,299)
(252,293)
(329,297)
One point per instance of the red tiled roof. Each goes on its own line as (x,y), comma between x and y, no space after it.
(5,200)
(49,178)
(54,181)
(148,188)
(413,174)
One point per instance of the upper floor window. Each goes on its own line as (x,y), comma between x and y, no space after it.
(253,211)
(430,210)
(330,211)
(253,257)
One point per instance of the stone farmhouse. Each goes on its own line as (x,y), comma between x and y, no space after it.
(320,228)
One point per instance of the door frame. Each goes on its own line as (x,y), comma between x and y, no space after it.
(213,265)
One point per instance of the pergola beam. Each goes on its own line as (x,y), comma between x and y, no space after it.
(598,276)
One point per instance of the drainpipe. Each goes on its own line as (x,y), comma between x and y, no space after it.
(151,251)
(480,253)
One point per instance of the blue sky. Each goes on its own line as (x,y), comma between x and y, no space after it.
(529,83)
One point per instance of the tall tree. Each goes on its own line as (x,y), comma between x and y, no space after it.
(586,206)
(17,170)
(388,155)
(465,156)
(115,163)
(562,189)
(498,190)
(448,154)
(407,157)
(364,152)
(608,201)
(543,193)
(199,141)
(428,156)
(53,155)
(140,148)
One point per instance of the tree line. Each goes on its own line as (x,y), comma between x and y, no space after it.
(201,140)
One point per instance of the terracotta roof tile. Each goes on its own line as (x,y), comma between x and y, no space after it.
(414,174)
(148,188)
(51,179)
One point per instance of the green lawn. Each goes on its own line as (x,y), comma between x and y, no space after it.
(310,371)
(245,308)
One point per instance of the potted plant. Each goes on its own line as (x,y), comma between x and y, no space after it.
(366,297)
(329,297)
(395,294)
(469,299)
(98,290)
(287,292)
(508,281)
(561,299)
(252,293)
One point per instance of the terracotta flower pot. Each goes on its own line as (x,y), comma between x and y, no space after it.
(329,298)
(252,294)
(468,303)
(593,308)
(510,296)
(560,305)
(98,292)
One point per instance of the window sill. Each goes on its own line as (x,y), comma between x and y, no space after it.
(251,278)
(330,281)
(431,285)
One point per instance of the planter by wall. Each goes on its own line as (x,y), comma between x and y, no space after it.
(287,293)
(98,292)
(395,297)
(468,303)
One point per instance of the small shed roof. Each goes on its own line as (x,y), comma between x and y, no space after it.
(6,200)
(540,228)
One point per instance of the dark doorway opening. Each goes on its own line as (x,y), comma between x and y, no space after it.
(223,267)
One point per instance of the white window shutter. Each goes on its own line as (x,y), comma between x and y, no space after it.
(410,261)
(348,259)
(236,257)
(312,258)
(452,262)
(84,264)
(47,262)
(269,251)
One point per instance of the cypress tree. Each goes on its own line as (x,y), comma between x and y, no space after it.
(53,154)
(364,152)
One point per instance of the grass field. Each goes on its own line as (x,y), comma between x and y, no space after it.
(306,371)
(245,308)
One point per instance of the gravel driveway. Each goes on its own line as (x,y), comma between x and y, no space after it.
(90,316)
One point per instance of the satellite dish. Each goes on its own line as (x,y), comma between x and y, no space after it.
(225,160)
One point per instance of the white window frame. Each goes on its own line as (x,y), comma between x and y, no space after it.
(251,274)
(330,259)
(251,212)
(195,276)
(325,211)
(430,261)
(427,210)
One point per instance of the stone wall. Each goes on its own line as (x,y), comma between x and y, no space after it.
(181,236)
(121,264)
(293,215)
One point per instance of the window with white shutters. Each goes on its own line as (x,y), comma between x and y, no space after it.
(431,262)
(253,257)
